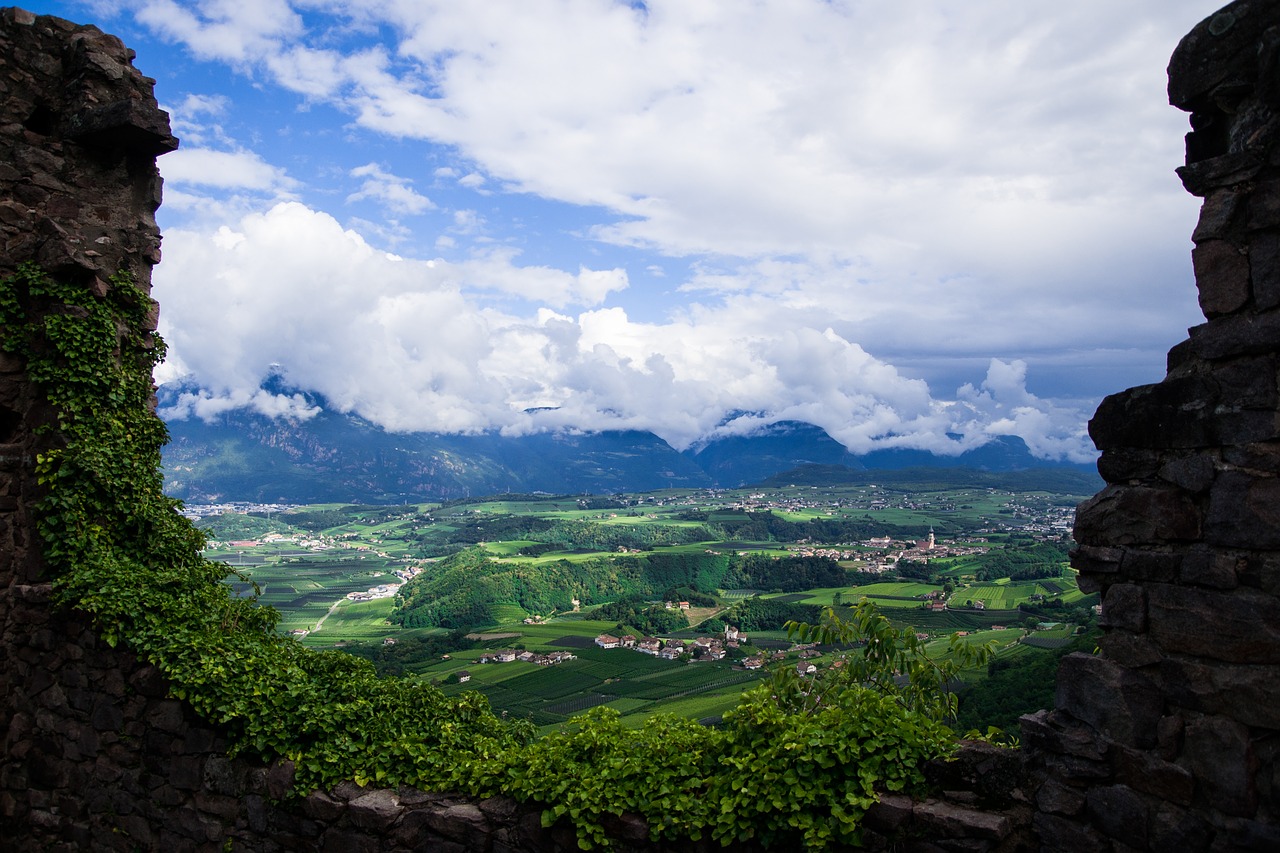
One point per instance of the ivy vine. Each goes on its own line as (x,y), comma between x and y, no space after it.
(777,771)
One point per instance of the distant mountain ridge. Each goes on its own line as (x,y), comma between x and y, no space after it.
(245,456)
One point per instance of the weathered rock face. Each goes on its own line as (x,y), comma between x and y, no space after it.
(1168,738)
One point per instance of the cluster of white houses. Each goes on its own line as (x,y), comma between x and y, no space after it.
(510,655)
(703,648)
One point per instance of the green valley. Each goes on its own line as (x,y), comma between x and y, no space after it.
(511,596)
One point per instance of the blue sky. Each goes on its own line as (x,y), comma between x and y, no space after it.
(903,222)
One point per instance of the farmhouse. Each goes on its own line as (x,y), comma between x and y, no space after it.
(607,641)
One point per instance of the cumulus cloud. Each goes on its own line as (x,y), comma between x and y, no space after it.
(393,192)
(206,167)
(236,30)
(659,215)
(410,345)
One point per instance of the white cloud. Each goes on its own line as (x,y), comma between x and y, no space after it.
(409,344)
(879,203)
(206,167)
(394,192)
(234,30)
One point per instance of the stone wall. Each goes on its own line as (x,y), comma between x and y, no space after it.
(1167,740)
(96,754)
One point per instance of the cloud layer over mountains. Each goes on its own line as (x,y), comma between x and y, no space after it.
(896,221)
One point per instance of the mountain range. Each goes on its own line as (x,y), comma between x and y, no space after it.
(242,455)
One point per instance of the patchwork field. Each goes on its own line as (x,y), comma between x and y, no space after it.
(364,546)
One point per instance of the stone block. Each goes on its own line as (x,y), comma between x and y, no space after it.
(198,739)
(1063,835)
(1176,413)
(149,681)
(256,813)
(1261,571)
(1244,511)
(167,716)
(1217,215)
(1239,626)
(1137,515)
(461,822)
(222,776)
(1204,176)
(1133,651)
(991,774)
(376,810)
(336,841)
(1174,828)
(1149,774)
(1124,606)
(1263,206)
(1057,798)
(1220,755)
(186,772)
(940,818)
(1235,335)
(500,809)
(890,813)
(1169,736)
(1119,812)
(1190,473)
(1260,456)
(1222,277)
(1122,704)
(1061,734)
(1248,383)
(280,779)
(1250,836)
(1264,260)
(222,807)
(1210,569)
(123,124)
(321,807)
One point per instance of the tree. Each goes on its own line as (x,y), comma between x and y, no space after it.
(884,659)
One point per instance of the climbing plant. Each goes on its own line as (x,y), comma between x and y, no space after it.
(121,552)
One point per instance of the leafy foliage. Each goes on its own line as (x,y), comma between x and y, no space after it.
(122,553)
(789,574)
(1014,686)
(888,661)
(643,616)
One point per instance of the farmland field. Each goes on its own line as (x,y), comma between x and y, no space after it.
(352,549)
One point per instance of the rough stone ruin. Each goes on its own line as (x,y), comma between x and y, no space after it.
(1165,740)
(1168,739)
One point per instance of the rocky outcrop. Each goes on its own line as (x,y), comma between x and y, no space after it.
(1167,739)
